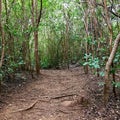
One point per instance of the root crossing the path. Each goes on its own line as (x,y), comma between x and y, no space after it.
(55,95)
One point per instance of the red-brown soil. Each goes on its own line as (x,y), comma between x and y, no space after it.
(57,95)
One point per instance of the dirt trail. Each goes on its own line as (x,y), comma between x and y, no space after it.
(42,99)
(49,98)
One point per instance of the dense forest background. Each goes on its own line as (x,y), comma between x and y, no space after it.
(36,34)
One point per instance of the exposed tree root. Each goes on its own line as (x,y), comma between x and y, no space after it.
(30,106)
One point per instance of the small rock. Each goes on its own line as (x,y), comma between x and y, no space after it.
(83,101)
(67,103)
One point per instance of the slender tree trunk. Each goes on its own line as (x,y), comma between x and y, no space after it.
(87,35)
(66,46)
(35,21)
(26,38)
(36,52)
(9,36)
(2,36)
(2,40)
(94,28)
(107,70)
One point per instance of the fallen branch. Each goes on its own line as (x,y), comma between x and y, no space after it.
(62,111)
(58,97)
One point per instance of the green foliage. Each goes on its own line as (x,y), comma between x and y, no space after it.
(92,62)
(90,40)
(62,36)
(117,60)
(44,62)
(102,74)
(9,67)
(116,84)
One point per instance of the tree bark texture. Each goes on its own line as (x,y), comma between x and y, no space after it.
(2,36)
(107,69)
(35,21)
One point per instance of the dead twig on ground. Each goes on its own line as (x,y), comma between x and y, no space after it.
(61,96)
(68,88)
(63,111)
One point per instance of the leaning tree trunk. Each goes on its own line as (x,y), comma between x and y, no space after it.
(107,70)
(107,19)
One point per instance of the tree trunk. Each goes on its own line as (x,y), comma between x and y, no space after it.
(107,70)
(66,46)
(87,34)
(36,52)
(107,18)
(35,21)
(2,36)
(2,41)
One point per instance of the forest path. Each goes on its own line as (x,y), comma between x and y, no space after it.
(49,97)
